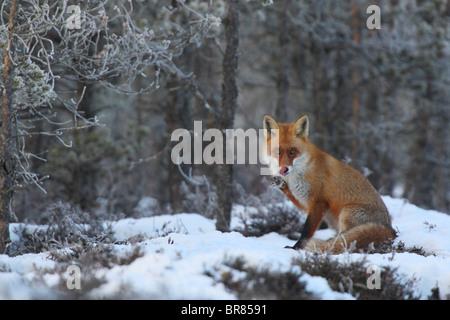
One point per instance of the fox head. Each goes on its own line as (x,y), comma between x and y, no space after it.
(286,144)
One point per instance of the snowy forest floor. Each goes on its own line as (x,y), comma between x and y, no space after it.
(182,256)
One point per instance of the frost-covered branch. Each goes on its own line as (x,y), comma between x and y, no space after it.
(105,45)
(45,46)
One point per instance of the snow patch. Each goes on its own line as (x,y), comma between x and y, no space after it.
(179,249)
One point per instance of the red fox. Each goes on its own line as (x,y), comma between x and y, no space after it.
(325,188)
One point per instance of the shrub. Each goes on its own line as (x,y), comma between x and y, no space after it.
(64,226)
(352,276)
(250,282)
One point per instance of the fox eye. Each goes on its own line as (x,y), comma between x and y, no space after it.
(292,152)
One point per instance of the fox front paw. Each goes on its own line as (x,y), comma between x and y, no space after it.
(277,182)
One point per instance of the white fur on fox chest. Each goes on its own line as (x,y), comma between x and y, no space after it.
(295,179)
(299,187)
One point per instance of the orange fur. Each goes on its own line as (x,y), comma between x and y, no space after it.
(326,188)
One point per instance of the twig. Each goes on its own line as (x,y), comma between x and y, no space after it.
(151,158)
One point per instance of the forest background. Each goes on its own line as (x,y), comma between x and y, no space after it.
(97,134)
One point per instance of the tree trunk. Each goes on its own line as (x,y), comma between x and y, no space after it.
(355,84)
(223,179)
(178,115)
(84,184)
(284,67)
(7,141)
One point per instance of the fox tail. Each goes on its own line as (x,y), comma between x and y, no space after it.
(361,237)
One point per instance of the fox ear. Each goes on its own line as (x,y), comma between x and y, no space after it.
(269,124)
(301,127)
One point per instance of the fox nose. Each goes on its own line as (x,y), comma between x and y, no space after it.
(284,171)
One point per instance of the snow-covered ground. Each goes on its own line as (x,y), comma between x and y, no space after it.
(179,249)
